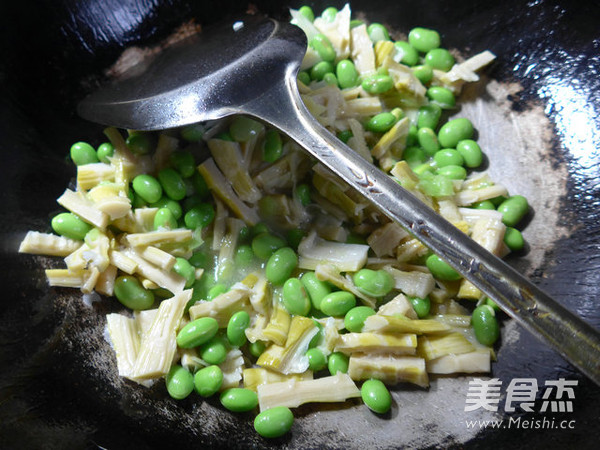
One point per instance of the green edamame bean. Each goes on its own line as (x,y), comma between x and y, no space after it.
(377,32)
(208,381)
(441,269)
(317,338)
(381,123)
(166,202)
(224,136)
(424,39)
(471,152)
(215,291)
(345,136)
(429,116)
(346,73)
(355,238)
(414,155)
(428,141)
(318,71)
(243,128)
(199,216)
(164,218)
(485,325)
(259,228)
(274,422)
(307,12)
(485,204)
(183,268)
(147,187)
(239,399)
(184,163)
(245,234)
(139,143)
(294,297)
(199,260)
(448,157)
(162,293)
(200,185)
(452,172)
(498,200)
(322,45)
(257,348)
(316,359)
(440,59)
(330,79)
(197,332)
(136,200)
(303,194)
(105,151)
(172,184)
(375,283)
(454,131)
(191,201)
(200,288)
(355,23)
(304,77)
(71,226)
(280,265)
(513,209)
(421,306)
(377,84)
(265,244)
(492,303)
(338,303)
(272,146)
(338,362)
(514,239)
(83,153)
(354,320)
(442,97)
(423,73)
(412,139)
(328,15)
(294,237)
(130,292)
(244,255)
(236,328)
(410,56)
(376,396)
(316,289)
(179,382)
(192,133)
(214,351)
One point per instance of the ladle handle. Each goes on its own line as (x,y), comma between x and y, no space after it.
(564,331)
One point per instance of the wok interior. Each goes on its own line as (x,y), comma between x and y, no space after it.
(60,386)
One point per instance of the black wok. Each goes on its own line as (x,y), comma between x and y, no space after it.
(537,116)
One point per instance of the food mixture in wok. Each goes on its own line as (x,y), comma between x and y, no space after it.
(248,270)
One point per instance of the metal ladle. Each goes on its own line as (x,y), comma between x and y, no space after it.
(251,68)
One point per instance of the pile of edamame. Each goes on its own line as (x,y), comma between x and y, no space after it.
(436,154)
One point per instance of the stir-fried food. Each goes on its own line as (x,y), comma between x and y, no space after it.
(248,270)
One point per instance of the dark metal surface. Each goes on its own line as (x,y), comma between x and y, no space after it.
(55,386)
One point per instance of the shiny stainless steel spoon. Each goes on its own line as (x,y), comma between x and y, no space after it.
(251,68)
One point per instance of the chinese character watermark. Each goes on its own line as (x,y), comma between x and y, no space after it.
(483,394)
(557,396)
